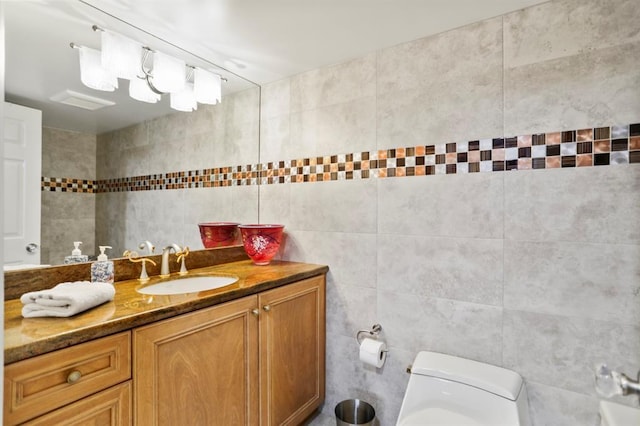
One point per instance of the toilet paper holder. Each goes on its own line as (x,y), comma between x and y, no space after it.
(374,331)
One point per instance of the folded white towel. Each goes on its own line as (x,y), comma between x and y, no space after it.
(66,299)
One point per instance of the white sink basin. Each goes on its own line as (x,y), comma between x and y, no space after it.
(613,414)
(188,285)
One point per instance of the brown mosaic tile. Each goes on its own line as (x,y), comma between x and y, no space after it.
(634,157)
(552,163)
(568,161)
(553,138)
(474,146)
(429,150)
(451,169)
(524,141)
(524,164)
(634,143)
(585,160)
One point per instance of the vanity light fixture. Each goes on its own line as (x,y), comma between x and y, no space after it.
(151,74)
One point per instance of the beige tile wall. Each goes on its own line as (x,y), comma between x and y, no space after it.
(213,136)
(533,270)
(66,216)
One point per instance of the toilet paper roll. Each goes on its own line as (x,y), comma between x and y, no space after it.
(373,352)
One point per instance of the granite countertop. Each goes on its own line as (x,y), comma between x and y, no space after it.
(28,337)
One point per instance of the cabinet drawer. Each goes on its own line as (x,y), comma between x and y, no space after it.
(41,384)
(111,407)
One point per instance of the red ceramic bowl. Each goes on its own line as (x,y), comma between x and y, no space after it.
(261,242)
(218,234)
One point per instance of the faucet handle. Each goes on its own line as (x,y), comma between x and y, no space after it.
(182,254)
(135,258)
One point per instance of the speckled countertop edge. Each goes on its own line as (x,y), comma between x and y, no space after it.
(28,337)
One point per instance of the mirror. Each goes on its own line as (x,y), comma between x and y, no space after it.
(143,171)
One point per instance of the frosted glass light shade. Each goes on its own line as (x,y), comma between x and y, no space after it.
(169,73)
(139,90)
(207,87)
(184,100)
(92,74)
(121,55)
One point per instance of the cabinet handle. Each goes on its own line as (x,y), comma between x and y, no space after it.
(74,376)
(267,308)
(255,312)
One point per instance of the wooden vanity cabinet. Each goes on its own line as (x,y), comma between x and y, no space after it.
(88,383)
(258,360)
(292,351)
(199,368)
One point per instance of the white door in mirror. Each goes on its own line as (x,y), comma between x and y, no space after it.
(22,142)
(188,285)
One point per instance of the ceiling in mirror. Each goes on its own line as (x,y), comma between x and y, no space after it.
(42,68)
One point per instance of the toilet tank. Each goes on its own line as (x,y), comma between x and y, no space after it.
(448,390)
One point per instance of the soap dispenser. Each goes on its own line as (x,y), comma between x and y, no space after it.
(76,255)
(102,270)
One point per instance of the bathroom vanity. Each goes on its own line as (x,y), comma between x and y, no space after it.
(251,353)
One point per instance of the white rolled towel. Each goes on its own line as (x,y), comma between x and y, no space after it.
(66,299)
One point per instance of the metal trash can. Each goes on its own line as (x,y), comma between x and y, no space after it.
(354,412)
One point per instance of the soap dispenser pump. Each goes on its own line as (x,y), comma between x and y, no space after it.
(76,255)
(102,270)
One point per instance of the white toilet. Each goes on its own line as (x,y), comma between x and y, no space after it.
(447,390)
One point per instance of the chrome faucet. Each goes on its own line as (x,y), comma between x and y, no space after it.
(164,266)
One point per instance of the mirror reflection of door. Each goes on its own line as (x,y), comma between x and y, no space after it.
(22,140)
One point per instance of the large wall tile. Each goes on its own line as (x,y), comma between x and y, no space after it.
(444,111)
(416,323)
(275,140)
(450,268)
(442,205)
(596,88)
(587,204)
(350,256)
(343,128)
(337,206)
(345,378)
(275,204)
(334,85)
(429,93)
(68,154)
(276,99)
(416,64)
(550,406)
(557,29)
(596,281)
(349,308)
(562,351)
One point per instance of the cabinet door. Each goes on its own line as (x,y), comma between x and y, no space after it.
(111,407)
(292,351)
(199,368)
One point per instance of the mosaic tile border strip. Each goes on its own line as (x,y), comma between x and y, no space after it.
(600,146)
(68,185)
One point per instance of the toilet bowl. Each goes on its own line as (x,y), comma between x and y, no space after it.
(447,390)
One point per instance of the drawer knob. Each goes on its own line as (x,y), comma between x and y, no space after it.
(74,376)
(255,312)
(267,308)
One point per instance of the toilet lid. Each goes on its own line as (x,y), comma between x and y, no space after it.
(439,417)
